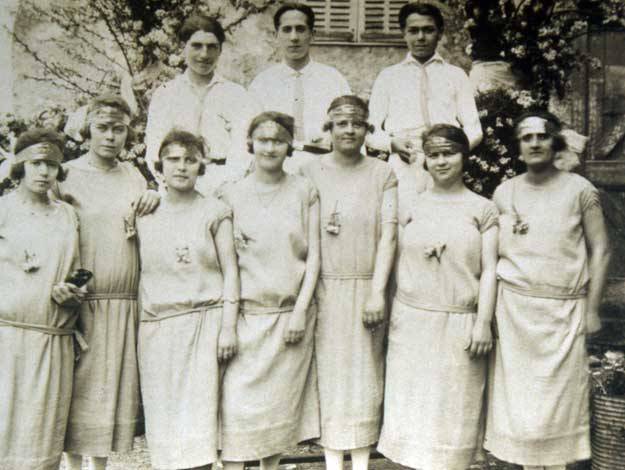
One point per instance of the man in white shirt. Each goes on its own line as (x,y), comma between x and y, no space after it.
(202,102)
(418,92)
(298,85)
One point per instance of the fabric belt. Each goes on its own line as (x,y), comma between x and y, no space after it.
(346,275)
(164,316)
(246,309)
(111,296)
(404,299)
(541,294)
(48,330)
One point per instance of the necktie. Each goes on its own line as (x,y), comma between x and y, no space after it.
(298,107)
(423,95)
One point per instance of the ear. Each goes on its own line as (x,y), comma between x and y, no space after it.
(250,146)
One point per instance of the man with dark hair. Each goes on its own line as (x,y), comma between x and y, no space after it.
(298,85)
(202,102)
(420,91)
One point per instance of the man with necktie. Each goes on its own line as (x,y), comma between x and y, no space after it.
(298,85)
(421,90)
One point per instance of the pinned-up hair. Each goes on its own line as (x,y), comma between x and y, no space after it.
(106,100)
(553,126)
(281,119)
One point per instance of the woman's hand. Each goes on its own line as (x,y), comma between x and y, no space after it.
(480,341)
(295,328)
(226,344)
(373,313)
(67,294)
(146,203)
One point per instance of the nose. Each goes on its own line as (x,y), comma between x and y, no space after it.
(109,134)
(293,35)
(349,127)
(420,35)
(44,168)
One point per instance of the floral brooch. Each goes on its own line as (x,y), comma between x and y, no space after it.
(333,227)
(31,262)
(434,251)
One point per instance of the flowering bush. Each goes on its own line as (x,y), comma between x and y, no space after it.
(607,373)
(537,37)
(496,158)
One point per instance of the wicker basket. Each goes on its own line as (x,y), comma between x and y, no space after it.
(608,432)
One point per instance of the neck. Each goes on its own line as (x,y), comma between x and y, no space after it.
(540,175)
(176,197)
(32,198)
(451,187)
(298,64)
(201,80)
(99,162)
(422,60)
(267,177)
(347,159)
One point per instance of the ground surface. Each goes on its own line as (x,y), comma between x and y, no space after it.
(139,459)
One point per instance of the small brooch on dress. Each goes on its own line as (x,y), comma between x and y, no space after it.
(519,227)
(31,262)
(434,251)
(333,227)
(183,254)
(241,241)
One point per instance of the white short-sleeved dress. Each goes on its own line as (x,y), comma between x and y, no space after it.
(105,400)
(181,308)
(350,357)
(36,344)
(538,389)
(269,399)
(434,390)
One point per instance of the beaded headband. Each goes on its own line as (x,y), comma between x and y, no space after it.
(437,143)
(348,111)
(40,151)
(108,113)
(281,132)
(532,125)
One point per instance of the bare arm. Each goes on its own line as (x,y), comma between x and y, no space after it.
(599,258)
(297,323)
(227,346)
(481,340)
(373,313)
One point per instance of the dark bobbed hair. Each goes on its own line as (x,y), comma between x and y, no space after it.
(198,22)
(188,141)
(351,100)
(553,127)
(282,119)
(305,9)
(452,133)
(32,137)
(111,100)
(421,8)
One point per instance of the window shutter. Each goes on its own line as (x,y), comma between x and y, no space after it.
(334,19)
(380,20)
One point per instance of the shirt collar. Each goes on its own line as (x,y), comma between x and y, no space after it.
(303,71)
(214,81)
(409,59)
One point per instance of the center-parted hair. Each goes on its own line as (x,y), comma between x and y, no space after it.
(291,6)
(420,8)
(188,141)
(197,22)
(281,119)
(33,137)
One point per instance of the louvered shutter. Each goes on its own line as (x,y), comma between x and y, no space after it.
(334,19)
(380,20)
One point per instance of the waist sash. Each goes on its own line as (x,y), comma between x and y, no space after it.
(172,314)
(48,330)
(540,293)
(404,299)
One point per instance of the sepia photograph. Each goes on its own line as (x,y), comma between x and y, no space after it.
(312,234)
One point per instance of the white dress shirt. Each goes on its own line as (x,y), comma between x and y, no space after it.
(220,112)
(275,86)
(395,103)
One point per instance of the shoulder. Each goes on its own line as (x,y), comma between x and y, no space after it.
(389,72)
(231,88)
(326,70)
(68,210)
(577,181)
(504,188)
(305,188)
(266,74)
(168,88)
